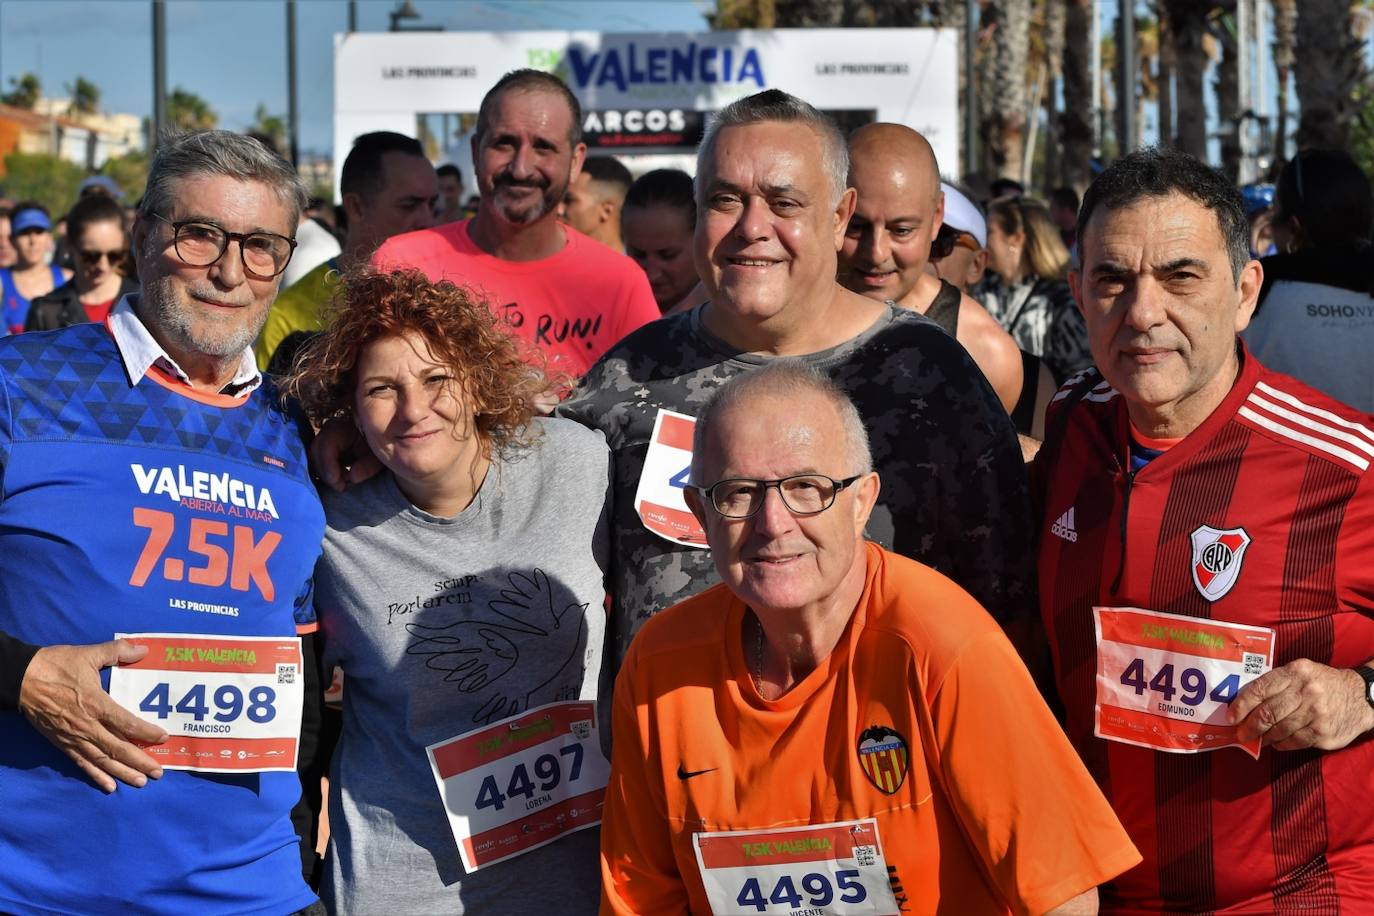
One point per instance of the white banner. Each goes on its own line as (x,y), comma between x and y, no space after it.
(909,76)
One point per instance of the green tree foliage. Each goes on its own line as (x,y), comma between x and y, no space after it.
(130,172)
(26,92)
(1362,129)
(51,181)
(271,126)
(188,111)
(767,14)
(85,96)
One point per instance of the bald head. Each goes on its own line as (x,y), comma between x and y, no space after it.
(887,242)
(896,152)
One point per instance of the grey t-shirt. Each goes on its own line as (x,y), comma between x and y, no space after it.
(442,625)
(953,483)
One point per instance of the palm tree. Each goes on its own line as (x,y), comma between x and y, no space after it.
(271,126)
(1165,75)
(1285,42)
(85,96)
(1075,129)
(1227,86)
(1188,29)
(188,111)
(1056,12)
(27,90)
(1002,85)
(1327,71)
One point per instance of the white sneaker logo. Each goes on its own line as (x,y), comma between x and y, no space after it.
(1063,527)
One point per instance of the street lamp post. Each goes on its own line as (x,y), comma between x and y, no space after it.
(159,72)
(970,87)
(292,118)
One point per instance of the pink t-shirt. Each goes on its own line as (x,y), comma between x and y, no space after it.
(573,305)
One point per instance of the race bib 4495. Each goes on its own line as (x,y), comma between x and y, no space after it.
(834,869)
(1164,681)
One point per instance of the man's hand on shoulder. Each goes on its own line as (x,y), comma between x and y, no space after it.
(1303,704)
(62,697)
(339,456)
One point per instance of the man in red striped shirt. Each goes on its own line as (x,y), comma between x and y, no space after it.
(1207,567)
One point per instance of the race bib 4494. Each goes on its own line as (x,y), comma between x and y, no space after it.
(1164,680)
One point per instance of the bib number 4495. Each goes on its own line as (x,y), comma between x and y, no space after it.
(820,888)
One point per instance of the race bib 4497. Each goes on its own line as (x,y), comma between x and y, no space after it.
(1164,680)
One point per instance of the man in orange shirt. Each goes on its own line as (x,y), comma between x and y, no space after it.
(834,727)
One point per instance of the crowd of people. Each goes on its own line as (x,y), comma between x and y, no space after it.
(810,534)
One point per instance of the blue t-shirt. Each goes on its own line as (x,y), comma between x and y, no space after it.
(15,307)
(91,468)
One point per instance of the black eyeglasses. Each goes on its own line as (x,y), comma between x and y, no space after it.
(200,244)
(802,494)
(949,238)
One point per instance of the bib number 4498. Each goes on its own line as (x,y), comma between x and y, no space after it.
(228,700)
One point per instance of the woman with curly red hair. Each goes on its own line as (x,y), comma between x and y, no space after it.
(458,590)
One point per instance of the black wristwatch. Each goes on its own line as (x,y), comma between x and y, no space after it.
(1367,676)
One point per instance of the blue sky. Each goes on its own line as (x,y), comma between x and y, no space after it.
(233,52)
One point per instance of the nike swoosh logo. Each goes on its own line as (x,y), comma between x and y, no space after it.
(685,774)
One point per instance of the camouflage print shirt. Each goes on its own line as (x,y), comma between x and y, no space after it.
(1040,315)
(953,491)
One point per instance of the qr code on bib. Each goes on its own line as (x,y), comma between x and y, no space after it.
(1254,663)
(865,856)
(286,674)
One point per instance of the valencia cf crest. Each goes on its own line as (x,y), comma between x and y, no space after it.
(883,755)
(1217,556)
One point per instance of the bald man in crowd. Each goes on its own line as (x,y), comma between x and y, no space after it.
(886,249)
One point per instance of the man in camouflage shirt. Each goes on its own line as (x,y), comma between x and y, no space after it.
(772,210)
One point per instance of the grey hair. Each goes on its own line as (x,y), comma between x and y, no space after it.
(219,152)
(776,105)
(784,378)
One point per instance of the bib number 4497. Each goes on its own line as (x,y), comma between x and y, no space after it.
(522,782)
(548,771)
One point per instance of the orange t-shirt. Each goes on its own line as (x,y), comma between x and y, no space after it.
(572,305)
(989,808)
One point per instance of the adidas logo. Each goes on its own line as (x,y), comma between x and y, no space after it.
(1063,527)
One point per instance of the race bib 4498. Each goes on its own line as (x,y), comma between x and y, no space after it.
(229,704)
(1164,680)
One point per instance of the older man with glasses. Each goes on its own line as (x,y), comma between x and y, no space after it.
(833,725)
(160,531)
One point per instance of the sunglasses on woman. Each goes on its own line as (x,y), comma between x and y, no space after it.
(949,238)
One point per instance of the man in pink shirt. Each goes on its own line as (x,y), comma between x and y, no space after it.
(568,295)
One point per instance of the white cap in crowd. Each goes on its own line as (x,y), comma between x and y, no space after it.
(962,214)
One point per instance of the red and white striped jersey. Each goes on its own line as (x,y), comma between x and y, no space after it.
(1285,472)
